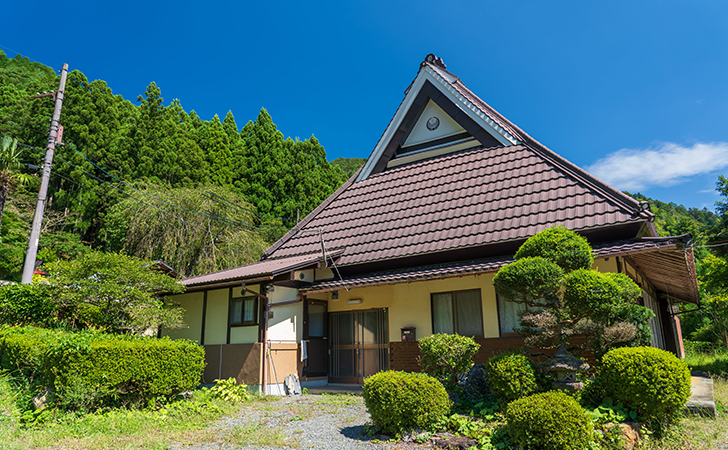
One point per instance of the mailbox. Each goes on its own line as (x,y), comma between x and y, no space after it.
(408,334)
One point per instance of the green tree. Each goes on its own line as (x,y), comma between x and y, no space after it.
(10,175)
(115,292)
(349,165)
(209,229)
(563,296)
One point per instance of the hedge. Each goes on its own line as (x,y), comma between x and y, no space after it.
(89,370)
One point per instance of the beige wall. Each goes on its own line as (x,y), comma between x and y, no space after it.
(216,318)
(192,304)
(605,264)
(409,303)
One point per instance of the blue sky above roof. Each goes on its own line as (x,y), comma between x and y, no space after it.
(588,80)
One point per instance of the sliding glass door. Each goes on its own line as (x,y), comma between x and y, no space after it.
(359,345)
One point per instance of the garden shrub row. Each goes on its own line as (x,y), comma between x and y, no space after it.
(88,370)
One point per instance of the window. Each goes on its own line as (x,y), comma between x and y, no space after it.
(457,312)
(509,314)
(243,311)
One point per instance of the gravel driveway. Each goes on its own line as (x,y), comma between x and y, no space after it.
(305,422)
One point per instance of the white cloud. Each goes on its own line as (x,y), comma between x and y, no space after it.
(667,165)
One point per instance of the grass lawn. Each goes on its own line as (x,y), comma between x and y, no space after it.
(701,433)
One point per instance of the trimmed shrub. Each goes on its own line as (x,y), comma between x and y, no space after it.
(564,247)
(400,401)
(531,280)
(511,377)
(88,370)
(549,421)
(653,382)
(444,356)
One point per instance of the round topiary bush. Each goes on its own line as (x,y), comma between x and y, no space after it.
(400,401)
(564,247)
(511,377)
(532,280)
(653,382)
(444,356)
(549,421)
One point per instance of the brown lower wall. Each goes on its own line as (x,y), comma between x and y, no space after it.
(405,355)
(286,360)
(240,361)
(244,362)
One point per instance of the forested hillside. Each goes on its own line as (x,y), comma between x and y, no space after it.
(120,156)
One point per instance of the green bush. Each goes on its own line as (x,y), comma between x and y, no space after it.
(28,304)
(400,401)
(444,356)
(653,382)
(549,421)
(88,370)
(564,247)
(532,280)
(511,377)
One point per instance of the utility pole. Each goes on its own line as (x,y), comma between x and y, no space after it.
(53,137)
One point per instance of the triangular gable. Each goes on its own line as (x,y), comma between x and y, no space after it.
(472,203)
(431,92)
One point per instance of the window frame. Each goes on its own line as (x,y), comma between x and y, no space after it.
(242,322)
(454,310)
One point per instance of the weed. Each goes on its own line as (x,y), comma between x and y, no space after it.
(259,435)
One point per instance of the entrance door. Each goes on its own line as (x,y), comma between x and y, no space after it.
(359,345)
(316,333)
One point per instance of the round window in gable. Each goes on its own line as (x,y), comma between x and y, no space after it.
(433,123)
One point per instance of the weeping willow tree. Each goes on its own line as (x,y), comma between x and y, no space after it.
(194,230)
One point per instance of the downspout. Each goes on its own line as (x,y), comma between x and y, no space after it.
(264,338)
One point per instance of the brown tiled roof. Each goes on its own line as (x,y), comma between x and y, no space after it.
(268,268)
(469,198)
(664,261)
(466,199)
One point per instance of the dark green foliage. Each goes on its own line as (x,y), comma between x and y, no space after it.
(28,304)
(559,301)
(90,370)
(530,280)
(349,165)
(653,382)
(148,142)
(511,377)
(549,421)
(564,247)
(399,401)
(592,294)
(444,356)
(114,292)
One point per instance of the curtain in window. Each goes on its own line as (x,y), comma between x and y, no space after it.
(442,316)
(510,314)
(236,311)
(469,317)
(249,315)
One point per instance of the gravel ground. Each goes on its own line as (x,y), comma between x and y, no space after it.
(302,422)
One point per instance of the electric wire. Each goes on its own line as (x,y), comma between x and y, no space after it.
(263,217)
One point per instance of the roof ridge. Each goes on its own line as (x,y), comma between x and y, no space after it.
(631,205)
(309,217)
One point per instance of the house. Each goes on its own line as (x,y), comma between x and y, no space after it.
(409,246)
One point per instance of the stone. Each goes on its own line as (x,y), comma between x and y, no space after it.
(475,385)
(631,433)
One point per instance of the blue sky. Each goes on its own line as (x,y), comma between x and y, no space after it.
(636,92)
